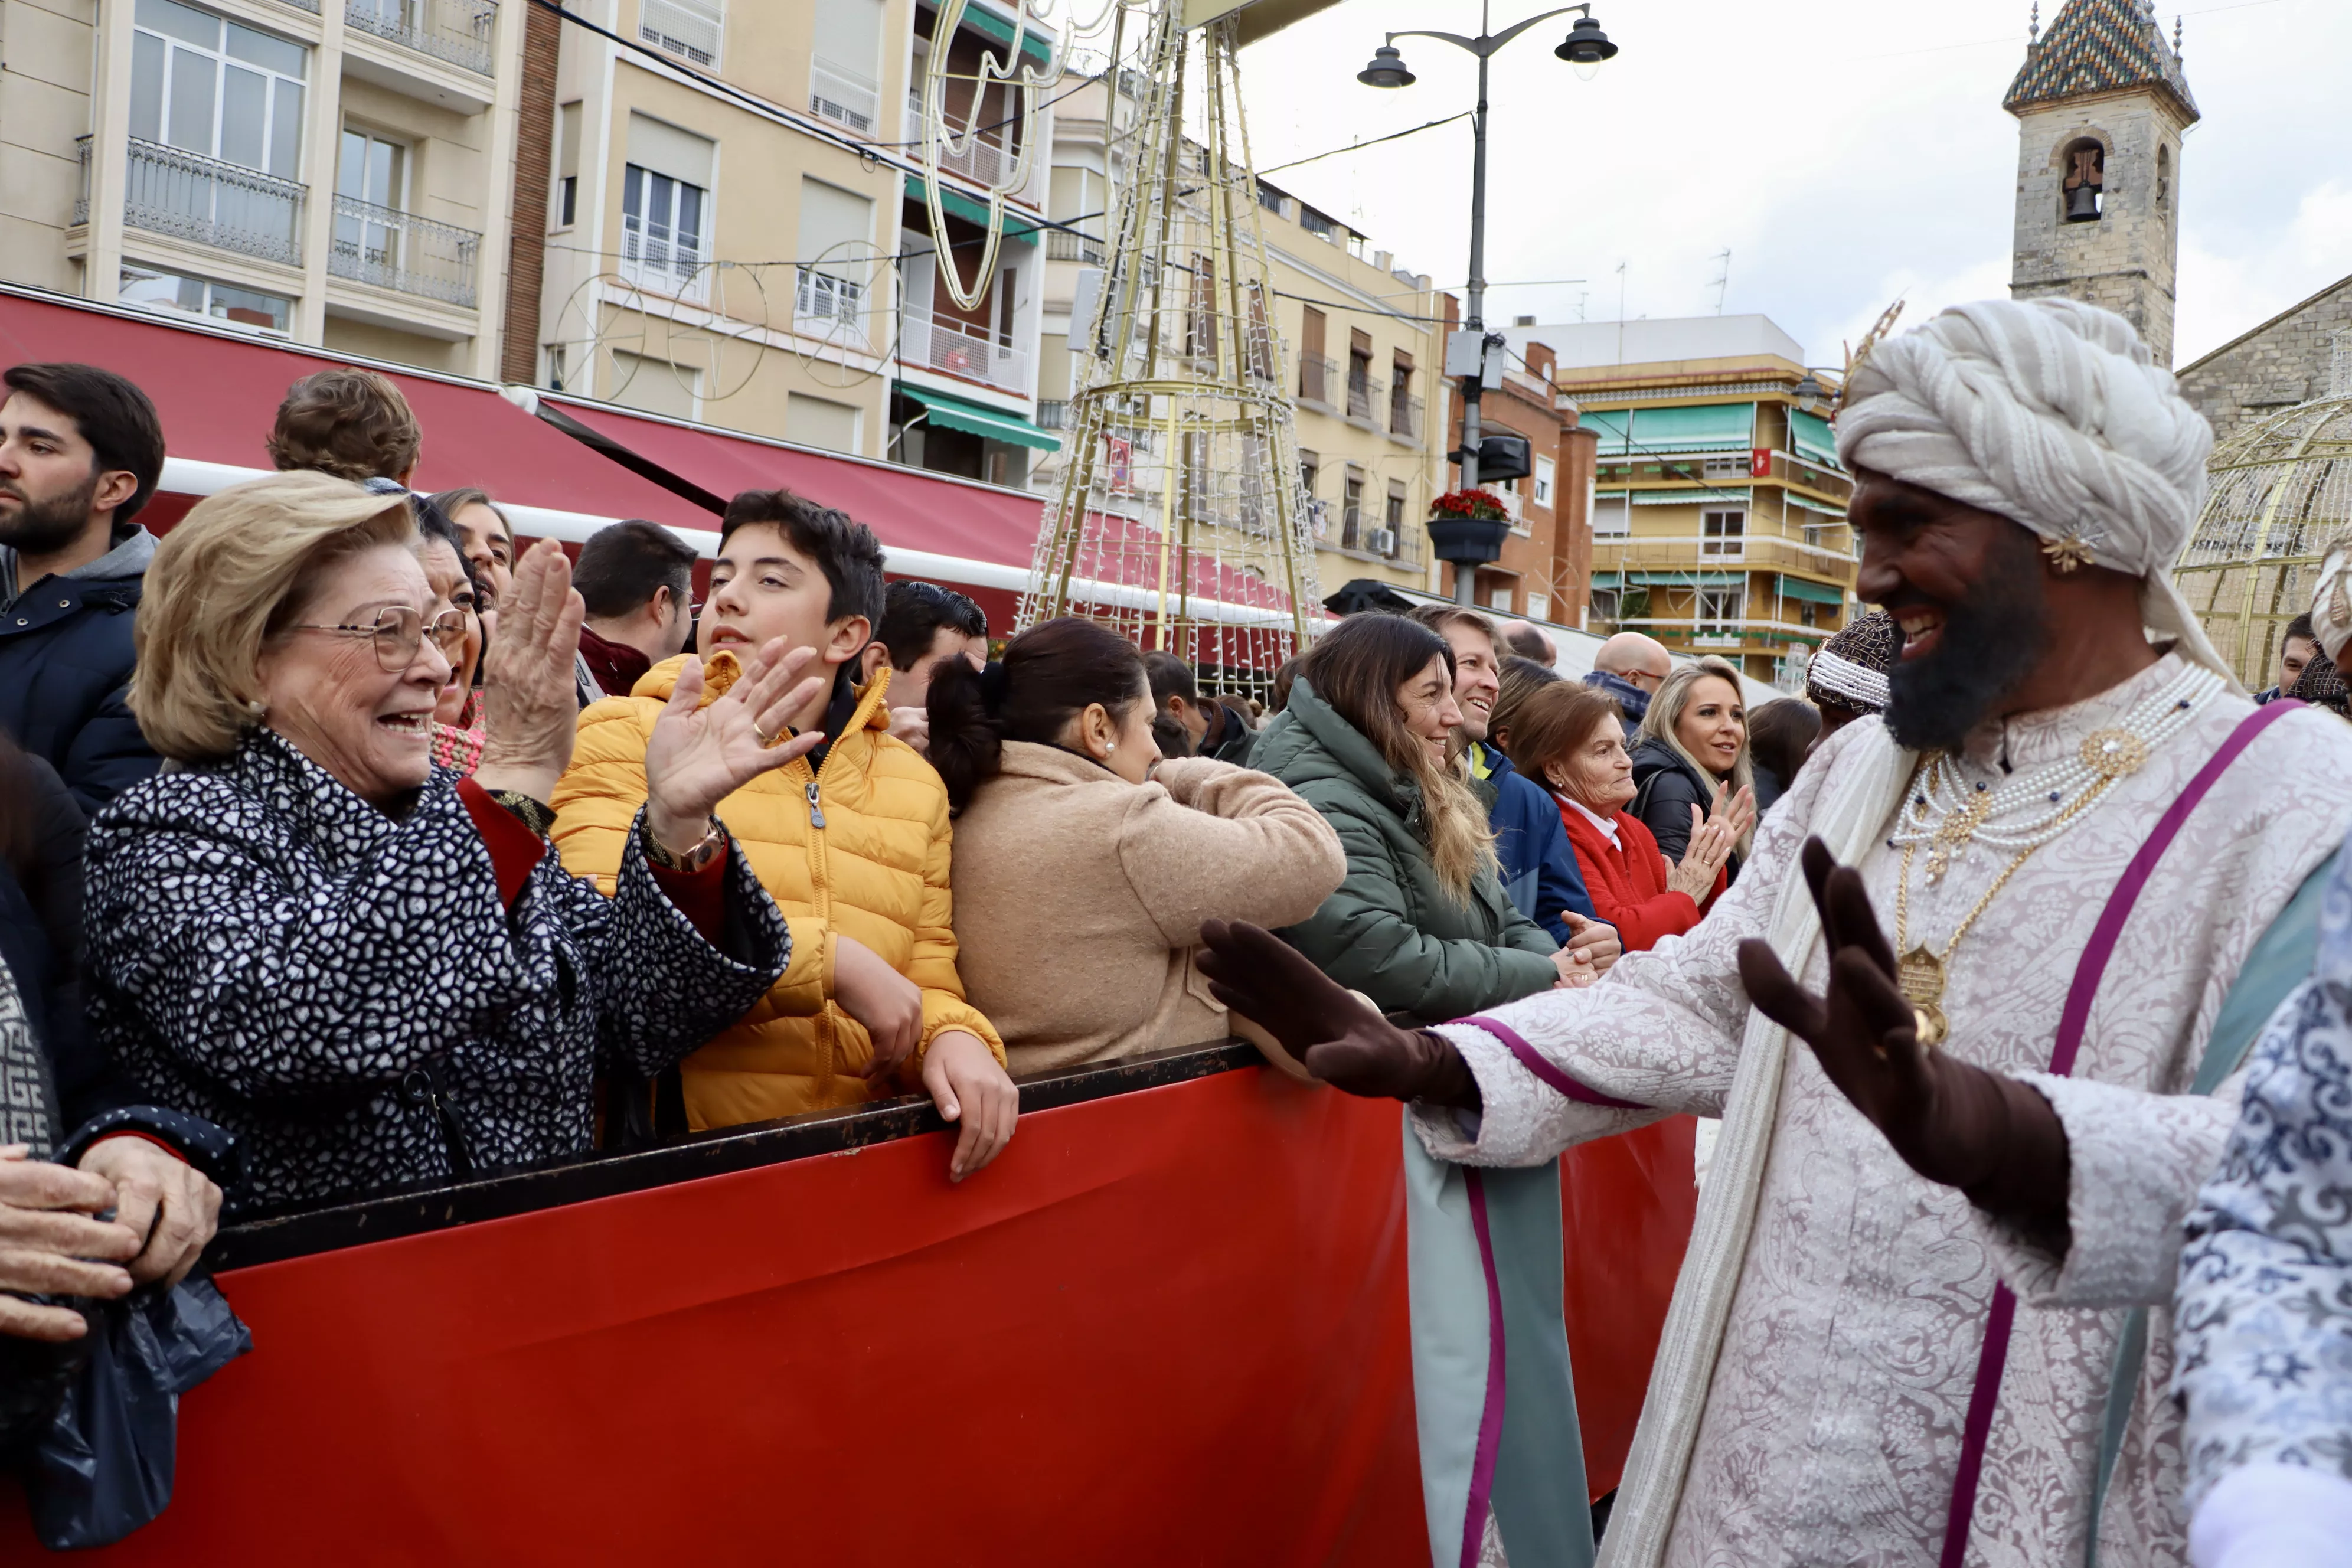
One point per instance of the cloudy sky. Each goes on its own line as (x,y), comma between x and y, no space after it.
(1844,151)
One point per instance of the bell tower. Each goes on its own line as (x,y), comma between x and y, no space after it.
(2101,104)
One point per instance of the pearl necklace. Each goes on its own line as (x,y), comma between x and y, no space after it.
(2032,808)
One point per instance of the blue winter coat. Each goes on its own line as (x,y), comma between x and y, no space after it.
(1538,864)
(64,661)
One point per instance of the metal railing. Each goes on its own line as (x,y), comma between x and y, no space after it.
(944,343)
(982,162)
(1405,417)
(1613,553)
(456,31)
(394,249)
(192,197)
(1053,414)
(826,303)
(1316,379)
(838,95)
(1060,245)
(1365,393)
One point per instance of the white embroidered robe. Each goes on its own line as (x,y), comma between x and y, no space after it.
(1833,1422)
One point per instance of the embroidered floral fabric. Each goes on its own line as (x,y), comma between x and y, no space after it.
(2264,1315)
(270,952)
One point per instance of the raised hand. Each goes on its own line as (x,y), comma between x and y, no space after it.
(1736,811)
(531,700)
(697,756)
(1320,1022)
(1989,1135)
(1712,841)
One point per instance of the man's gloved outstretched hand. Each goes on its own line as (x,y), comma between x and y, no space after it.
(1255,974)
(1992,1137)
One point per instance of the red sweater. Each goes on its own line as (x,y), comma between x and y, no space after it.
(1629,884)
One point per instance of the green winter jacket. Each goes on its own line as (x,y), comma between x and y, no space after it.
(1391,931)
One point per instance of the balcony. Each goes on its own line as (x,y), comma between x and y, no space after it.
(982,162)
(206,202)
(1053,414)
(1060,245)
(1650,553)
(398,250)
(691,30)
(456,32)
(1317,377)
(1365,393)
(1404,418)
(945,344)
(825,306)
(840,95)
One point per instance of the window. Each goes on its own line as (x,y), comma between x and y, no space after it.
(1719,610)
(171,292)
(661,228)
(1546,471)
(2082,194)
(1723,533)
(1360,395)
(1613,516)
(1269,199)
(1393,519)
(843,84)
(218,89)
(1314,370)
(1314,222)
(1351,515)
(370,175)
(1310,470)
(1538,607)
(1008,295)
(1401,409)
(1499,598)
(555,360)
(820,422)
(689,29)
(567,165)
(836,229)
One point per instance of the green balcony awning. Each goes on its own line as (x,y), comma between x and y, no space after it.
(971,210)
(993,424)
(1805,588)
(1668,579)
(1608,423)
(1809,435)
(1034,44)
(1703,427)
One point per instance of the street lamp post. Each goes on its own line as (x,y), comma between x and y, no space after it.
(1585,47)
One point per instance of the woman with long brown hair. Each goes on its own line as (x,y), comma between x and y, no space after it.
(1422,924)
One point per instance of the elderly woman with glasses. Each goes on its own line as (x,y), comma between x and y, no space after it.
(370,969)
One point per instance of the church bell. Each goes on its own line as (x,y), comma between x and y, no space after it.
(2083,204)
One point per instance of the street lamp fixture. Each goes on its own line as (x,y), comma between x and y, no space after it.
(1586,45)
(1387,70)
(1585,49)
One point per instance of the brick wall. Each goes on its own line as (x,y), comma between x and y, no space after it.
(542,37)
(2283,362)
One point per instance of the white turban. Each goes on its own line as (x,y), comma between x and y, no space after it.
(2050,412)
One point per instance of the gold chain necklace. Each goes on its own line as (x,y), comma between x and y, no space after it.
(1920,972)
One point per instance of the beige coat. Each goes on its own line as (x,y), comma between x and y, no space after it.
(1079,896)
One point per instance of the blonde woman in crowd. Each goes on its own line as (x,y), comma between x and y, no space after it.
(1690,759)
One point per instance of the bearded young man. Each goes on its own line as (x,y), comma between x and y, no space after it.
(80,451)
(1891,1345)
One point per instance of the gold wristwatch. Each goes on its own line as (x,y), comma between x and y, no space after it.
(711,846)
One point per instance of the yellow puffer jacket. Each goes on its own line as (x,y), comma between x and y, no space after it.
(873,867)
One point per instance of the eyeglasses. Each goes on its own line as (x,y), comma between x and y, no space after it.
(397,631)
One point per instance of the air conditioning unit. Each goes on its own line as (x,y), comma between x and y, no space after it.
(1380,541)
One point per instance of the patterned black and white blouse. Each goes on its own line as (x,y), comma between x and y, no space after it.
(348,994)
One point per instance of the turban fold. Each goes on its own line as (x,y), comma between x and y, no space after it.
(2050,413)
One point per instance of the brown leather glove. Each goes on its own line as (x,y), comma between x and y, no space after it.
(1991,1136)
(1339,1040)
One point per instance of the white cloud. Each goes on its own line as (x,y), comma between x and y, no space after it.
(2223,292)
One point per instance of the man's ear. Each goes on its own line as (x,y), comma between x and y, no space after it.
(114,486)
(846,638)
(873,658)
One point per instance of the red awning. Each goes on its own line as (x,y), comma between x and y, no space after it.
(218,393)
(909,508)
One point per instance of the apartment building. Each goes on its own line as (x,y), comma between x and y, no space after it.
(1359,345)
(328,172)
(1720,508)
(1547,555)
(737,230)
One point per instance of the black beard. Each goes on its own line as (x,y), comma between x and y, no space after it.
(46,527)
(1990,642)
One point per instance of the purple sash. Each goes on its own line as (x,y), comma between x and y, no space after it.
(2072,1021)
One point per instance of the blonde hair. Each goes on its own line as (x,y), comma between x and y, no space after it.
(228,580)
(1666,713)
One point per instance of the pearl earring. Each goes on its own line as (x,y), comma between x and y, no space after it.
(1108,747)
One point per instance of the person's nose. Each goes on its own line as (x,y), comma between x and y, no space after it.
(431,666)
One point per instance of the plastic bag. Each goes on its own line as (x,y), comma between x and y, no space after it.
(104,1467)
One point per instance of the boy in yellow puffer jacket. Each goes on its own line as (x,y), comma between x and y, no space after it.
(852,842)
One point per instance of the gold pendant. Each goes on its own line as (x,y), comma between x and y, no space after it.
(1921,976)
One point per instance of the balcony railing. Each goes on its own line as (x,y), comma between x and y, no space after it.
(394,249)
(192,197)
(982,161)
(1405,417)
(456,31)
(689,29)
(1060,245)
(1650,553)
(839,95)
(1365,393)
(1316,379)
(944,343)
(825,305)
(1053,414)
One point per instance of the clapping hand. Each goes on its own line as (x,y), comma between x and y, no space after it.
(1989,1135)
(1320,1023)
(697,755)
(1712,840)
(531,702)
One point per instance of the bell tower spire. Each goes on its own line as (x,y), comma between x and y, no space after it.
(2101,104)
